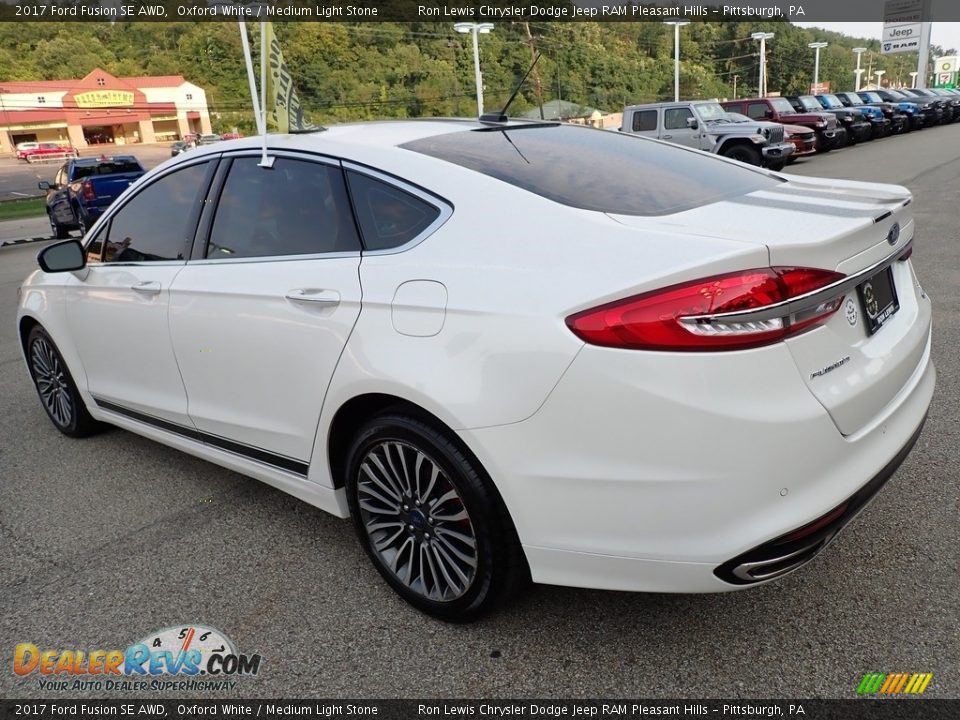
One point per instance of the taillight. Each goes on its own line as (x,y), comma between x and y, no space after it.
(690,316)
(88,192)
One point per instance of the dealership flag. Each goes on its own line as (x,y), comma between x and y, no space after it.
(284,109)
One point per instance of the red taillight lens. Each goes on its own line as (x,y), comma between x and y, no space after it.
(88,192)
(661,320)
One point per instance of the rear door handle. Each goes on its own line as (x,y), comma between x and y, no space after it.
(314,296)
(150,287)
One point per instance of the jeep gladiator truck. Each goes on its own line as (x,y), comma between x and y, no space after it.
(84,188)
(853,121)
(704,125)
(778,109)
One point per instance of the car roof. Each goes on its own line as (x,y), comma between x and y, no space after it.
(104,159)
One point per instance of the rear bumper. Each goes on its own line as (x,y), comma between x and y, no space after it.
(649,471)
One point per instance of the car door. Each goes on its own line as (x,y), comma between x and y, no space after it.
(676,129)
(59,202)
(118,310)
(260,315)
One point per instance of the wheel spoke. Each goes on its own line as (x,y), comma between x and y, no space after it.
(462,515)
(377,496)
(365,468)
(396,475)
(472,562)
(390,479)
(451,583)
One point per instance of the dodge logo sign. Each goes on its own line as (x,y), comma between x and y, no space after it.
(894,234)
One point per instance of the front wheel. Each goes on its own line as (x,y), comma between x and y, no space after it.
(777,165)
(58,230)
(55,386)
(743,153)
(432,524)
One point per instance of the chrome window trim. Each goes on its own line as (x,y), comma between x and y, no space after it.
(275,258)
(445,207)
(803,303)
(114,208)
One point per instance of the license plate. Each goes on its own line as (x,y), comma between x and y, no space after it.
(878,298)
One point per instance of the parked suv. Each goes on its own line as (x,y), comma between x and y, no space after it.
(880,125)
(830,133)
(901,120)
(857,126)
(704,125)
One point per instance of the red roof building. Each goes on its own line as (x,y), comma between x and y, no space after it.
(101,109)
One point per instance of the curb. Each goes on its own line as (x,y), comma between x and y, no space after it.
(23,241)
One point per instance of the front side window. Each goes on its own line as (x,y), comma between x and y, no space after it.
(158,223)
(389,217)
(644,120)
(676,118)
(758,111)
(294,208)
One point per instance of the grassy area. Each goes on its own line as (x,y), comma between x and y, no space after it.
(28,207)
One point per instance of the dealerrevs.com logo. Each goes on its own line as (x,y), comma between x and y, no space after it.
(180,658)
(878,683)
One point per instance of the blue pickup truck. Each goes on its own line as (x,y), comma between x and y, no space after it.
(84,188)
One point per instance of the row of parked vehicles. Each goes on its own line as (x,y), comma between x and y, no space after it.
(774,131)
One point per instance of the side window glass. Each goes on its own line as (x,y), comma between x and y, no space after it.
(296,207)
(644,120)
(757,111)
(158,223)
(61,178)
(389,217)
(676,118)
(95,246)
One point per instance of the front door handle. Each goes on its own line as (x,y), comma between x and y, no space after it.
(150,287)
(314,296)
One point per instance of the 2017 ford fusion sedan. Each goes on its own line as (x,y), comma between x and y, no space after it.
(506,350)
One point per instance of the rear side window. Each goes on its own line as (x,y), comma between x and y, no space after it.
(676,118)
(389,217)
(294,208)
(595,169)
(159,222)
(757,111)
(645,120)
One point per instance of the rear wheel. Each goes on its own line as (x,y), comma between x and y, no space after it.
(56,388)
(744,153)
(429,520)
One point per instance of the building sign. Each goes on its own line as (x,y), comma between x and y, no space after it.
(946,64)
(946,80)
(902,26)
(104,99)
(820,88)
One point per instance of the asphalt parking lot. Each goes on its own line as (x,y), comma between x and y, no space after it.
(107,539)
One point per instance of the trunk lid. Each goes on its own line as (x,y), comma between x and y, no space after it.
(847,227)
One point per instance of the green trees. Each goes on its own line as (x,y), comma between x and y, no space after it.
(391,70)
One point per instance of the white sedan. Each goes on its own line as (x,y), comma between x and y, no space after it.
(506,350)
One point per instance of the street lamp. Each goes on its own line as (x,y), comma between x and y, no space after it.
(475,29)
(763,37)
(859,70)
(676,55)
(816,63)
(913,79)
(878,73)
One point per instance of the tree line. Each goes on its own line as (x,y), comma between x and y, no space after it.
(361,71)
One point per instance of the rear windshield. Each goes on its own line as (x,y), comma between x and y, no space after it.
(106,168)
(597,170)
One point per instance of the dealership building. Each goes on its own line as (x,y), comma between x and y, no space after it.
(101,109)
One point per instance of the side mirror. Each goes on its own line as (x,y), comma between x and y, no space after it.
(63,257)
(692,123)
(768,114)
(44,185)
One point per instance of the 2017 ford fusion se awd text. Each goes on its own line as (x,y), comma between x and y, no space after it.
(507,350)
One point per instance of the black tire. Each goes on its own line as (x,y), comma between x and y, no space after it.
(55,386)
(425,499)
(823,145)
(777,165)
(58,230)
(743,153)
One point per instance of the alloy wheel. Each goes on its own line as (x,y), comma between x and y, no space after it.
(52,382)
(418,526)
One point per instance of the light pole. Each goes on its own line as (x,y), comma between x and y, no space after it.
(859,70)
(676,55)
(913,79)
(475,29)
(735,78)
(763,37)
(879,74)
(816,64)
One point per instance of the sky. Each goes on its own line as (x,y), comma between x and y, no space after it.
(944,34)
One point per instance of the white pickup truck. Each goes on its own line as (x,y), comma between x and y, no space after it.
(704,125)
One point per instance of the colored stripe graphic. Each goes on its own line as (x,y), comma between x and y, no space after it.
(894,683)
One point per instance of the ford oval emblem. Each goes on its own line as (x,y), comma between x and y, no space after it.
(894,234)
